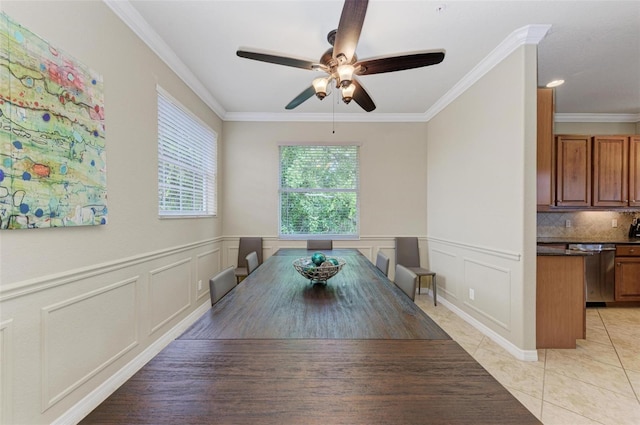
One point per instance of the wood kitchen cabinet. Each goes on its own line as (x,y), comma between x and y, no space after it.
(616,171)
(560,301)
(611,171)
(573,177)
(627,273)
(546,190)
(634,171)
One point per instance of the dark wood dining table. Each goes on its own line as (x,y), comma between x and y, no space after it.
(278,349)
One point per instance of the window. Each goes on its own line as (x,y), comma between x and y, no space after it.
(186,162)
(319,191)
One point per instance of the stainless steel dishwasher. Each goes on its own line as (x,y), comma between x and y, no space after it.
(599,271)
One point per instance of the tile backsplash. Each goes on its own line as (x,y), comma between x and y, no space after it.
(597,224)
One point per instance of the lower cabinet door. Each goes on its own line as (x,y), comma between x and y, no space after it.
(627,279)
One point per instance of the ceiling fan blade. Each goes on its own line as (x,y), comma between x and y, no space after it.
(399,62)
(306,94)
(277,59)
(361,97)
(349,28)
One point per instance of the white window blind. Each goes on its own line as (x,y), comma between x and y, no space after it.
(186,162)
(319,191)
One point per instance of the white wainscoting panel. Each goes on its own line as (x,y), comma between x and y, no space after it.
(83,335)
(6,372)
(169,292)
(494,276)
(208,264)
(439,261)
(492,287)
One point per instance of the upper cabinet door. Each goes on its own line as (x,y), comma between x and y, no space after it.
(610,171)
(634,171)
(573,178)
(546,173)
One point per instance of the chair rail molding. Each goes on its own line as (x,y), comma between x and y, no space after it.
(509,255)
(31,286)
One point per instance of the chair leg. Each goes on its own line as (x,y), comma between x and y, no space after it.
(434,284)
(419,283)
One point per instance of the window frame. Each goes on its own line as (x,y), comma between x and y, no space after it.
(356,190)
(202,175)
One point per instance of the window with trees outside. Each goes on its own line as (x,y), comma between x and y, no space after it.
(186,162)
(319,191)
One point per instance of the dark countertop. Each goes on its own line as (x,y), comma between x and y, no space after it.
(619,240)
(545,250)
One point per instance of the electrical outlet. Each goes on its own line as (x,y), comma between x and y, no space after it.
(472,294)
(567,223)
(200,285)
(614,223)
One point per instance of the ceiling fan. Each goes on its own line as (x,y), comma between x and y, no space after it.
(341,64)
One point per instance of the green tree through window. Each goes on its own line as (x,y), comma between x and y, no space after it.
(319,191)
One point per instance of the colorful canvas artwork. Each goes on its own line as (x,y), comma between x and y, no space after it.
(52,135)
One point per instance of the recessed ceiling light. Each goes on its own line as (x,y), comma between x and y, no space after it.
(555,83)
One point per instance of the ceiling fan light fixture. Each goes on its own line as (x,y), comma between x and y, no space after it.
(347,93)
(345,74)
(320,86)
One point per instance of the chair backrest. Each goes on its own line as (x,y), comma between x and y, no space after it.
(247,245)
(382,263)
(221,284)
(407,252)
(252,262)
(319,244)
(406,280)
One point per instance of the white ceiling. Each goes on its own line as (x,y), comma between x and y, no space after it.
(593,45)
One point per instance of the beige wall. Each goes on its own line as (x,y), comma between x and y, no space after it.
(393,198)
(481,213)
(595,128)
(393,174)
(79,303)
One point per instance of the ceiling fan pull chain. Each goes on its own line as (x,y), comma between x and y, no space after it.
(333,124)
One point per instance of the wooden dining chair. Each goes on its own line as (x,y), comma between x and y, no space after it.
(408,254)
(221,284)
(406,280)
(247,245)
(382,263)
(326,244)
(252,262)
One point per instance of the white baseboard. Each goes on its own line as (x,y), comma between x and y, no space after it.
(101,393)
(525,355)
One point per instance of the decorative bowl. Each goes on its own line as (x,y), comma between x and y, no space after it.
(319,273)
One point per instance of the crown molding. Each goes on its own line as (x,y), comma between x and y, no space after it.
(130,16)
(596,117)
(322,117)
(530,34)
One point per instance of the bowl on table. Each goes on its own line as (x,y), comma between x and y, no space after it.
(319,268)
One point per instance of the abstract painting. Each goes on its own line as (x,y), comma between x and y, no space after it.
(52,135)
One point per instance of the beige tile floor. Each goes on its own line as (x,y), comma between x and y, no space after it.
(597,383)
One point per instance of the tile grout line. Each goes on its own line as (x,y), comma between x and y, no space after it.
(635,393)
(544,378)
